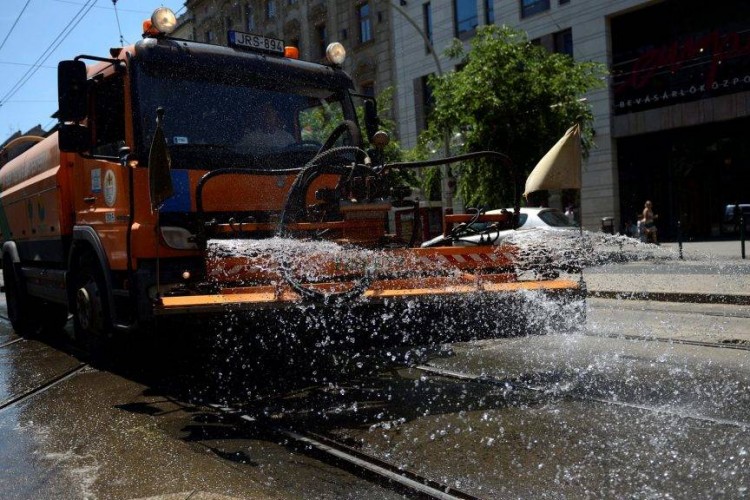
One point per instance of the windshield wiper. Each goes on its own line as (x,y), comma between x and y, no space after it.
(198,145)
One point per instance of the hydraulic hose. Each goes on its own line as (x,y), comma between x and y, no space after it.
(294,208)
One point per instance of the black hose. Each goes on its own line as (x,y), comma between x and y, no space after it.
(503,158)
(294,207)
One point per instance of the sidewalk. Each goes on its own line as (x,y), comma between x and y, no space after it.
(711,272)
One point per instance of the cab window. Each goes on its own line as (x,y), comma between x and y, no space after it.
(108,116)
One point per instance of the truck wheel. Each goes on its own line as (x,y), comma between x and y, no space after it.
(55,317)
(23,317)
(91,319)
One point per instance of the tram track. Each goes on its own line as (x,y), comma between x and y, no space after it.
(333,451)
(5,319)
(670,340)
(344,456)
(40,388)
(11,342)
(515,385)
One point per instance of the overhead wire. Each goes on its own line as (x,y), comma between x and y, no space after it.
(135,11)
(117,17)
(70,2)
(14,63)
(66,31)
(14,24)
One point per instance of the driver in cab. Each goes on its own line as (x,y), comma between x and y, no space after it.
(265,133)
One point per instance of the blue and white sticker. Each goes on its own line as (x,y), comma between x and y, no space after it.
(109,217)
(96,180)
(110,188)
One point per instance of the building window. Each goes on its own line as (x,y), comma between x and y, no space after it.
(489,12)
(465,17)
(563,42)
(322,38)
(228,23)
(365,23)
(423,100)
(292,2)
(270,9)
(427,24)
(563,2)
(531,7)
(249,19)
(208,36)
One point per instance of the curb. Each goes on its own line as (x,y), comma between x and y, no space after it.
(696,298)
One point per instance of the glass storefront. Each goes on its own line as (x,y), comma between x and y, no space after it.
(665,59)
(690,175)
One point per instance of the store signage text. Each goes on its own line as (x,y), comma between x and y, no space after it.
(672,57)
(692,91)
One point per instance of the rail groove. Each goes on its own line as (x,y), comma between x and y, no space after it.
(505,383)
(669,340)
(42,387)
(411,482)
(11,342)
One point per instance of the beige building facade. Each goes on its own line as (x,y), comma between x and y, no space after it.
(671,124)
(363,27)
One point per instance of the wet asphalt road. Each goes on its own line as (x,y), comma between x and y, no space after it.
(617,411)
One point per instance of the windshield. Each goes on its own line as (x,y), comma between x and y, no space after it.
(215,122)
(555,218)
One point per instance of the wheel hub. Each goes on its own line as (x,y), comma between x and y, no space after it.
(84,308)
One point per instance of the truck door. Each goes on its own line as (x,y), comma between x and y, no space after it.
(101,182)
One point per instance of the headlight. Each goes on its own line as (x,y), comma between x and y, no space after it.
(336,53)
(164,20)
(178,238)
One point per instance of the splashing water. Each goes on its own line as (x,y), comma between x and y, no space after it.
(571,250)
(321,341)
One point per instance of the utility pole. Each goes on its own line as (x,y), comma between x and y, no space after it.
(446,191)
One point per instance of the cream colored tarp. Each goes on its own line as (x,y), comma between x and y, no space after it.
(561,166)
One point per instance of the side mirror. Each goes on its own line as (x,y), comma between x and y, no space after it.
(73,138)
(72,86)
(372,121)
(159,166)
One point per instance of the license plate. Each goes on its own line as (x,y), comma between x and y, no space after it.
(255,42)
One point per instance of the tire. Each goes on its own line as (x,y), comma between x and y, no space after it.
(25,320)
(92,324)
(55,317)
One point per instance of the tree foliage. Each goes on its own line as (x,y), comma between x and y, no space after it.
(511,96)
(318,123)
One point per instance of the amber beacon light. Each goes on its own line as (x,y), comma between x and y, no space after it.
(163,22)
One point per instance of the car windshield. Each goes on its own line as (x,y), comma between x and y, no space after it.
(488,226)
(214,123)
(555,218)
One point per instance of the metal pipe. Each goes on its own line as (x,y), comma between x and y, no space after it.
(742,233)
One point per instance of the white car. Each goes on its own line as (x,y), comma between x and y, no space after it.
(481,233)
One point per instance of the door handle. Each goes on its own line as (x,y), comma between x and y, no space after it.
(89,199)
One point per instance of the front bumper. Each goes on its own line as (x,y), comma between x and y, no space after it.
(393,290)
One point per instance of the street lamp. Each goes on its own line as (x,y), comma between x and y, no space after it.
(446,191)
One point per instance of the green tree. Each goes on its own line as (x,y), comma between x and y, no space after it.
(510,96)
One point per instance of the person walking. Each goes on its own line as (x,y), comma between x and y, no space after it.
(649,224)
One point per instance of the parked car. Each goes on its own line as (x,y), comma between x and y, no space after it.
(543,219)
(730,222)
